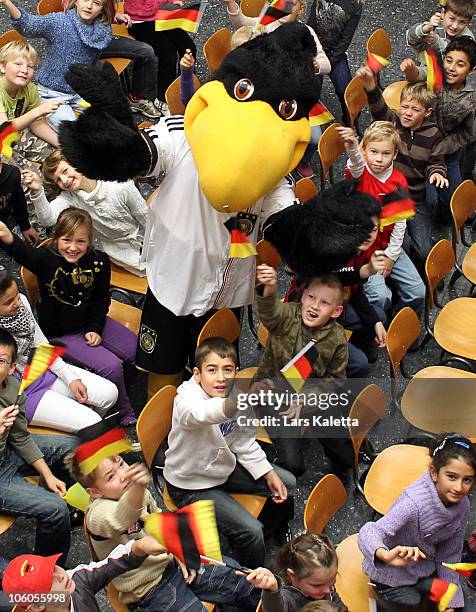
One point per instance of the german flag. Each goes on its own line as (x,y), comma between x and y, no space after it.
(40,359)
(434,71)
(442,592)
(465,569)
(319,115)
(298,370)
(274,11)
(396,206)
(99,441)
(376,62)
(188,533)
(8,135)
(186,17)
(240,246)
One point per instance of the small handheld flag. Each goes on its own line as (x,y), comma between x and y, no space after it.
(434,71)
(187,533)
(77,497)
(298,370)
(465,569)
(396,206)
(319,115)
(186,17)
(376,62)
(277,9)
(240,246)
(442,592)
(40,359)
(8,135)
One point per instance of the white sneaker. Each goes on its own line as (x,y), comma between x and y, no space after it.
(145,107)
(162,107)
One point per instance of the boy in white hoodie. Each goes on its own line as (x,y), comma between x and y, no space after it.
(210,456)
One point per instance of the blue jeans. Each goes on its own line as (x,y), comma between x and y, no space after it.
(244,533)
(316,133)
(20,498)
(5,605)
(442,197)
(418,237)
(340,76)
(410,287)
(213,583)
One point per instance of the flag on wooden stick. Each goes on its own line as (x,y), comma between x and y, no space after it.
(186,17)
(298,370)
(40,359)
(376,62)
(8,135)
(396,206)
(277,9)
(434,71)
(240,246)
(319,115)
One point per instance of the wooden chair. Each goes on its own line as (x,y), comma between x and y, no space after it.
(305,189)
(355,98)
(352,584)
(454,329)
(216,48)
(153,426)
(379,43)
(251,8)
(463,205)
(10,36)
(222,324)
(368,408)
(49,6)
(392,471)
(392,94)
(267,254)
(130,283)
(172,96)
(325,500)
(330,148)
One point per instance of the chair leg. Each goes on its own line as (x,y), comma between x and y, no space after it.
(251,322)
(454,277)
(461,360)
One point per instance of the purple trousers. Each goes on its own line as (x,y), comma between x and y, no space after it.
(118,345)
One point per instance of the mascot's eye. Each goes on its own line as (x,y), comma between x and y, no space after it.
(287,109)
(243,89)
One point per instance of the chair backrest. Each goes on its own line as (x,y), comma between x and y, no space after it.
(379,42)
(172,96)
(463,205)
(439,262)
(263,335)
(368,408)
(326,498)
(223,324)
(267,254)
(355,98)
(10,36)
(251,8)
(155,422)
(49,6)
(402,333)
(330,148)
(216,48)
(305,189)
(392,93)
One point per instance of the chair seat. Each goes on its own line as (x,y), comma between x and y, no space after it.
(391,94)
(128,281)
(352,584)
(469,264)
(455,327)
(253,503)
(118,63)
(129,316)
(386,479)
(437,398)
(6,522)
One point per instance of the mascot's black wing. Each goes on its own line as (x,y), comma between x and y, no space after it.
(103,142)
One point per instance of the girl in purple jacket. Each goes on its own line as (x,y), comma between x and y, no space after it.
(424,527)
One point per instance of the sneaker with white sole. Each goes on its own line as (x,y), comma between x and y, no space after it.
(144,107)
(162,107)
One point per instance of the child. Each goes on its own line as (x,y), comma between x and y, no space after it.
(74,589)
(424,527)
(373,166)
(75,36)
(13,203)
(307,570)
(17,450)
(74,284)
(60,397)
(118,210)
(120,504)
(445,25)
(323,606)
(420,156)
(225,458)
(455,113)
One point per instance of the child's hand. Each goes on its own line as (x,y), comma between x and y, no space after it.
(32,181)
(439,180)
(409,68)
(79,391)
(5,234)
(138,474)
(388,265)
(431,38)
(380,335)
(55,484)
(400,555)
(276,486)
(188,575)
(261,578)
(31,236)
(377,264)
(50,106)
(92,339)
(266,275)
(261,385)
(147,546)
(123,18)
(294,409)
(435,21)
(367,77)
(348,137)
(188,61)
(7,418)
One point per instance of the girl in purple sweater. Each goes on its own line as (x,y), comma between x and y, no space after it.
(424,527)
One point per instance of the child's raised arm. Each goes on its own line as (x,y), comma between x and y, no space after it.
(11,9)
(5,234)
(267,276)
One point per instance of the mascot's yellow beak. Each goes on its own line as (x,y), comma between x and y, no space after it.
(241,149)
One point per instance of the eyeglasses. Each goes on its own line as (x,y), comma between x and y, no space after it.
(4,364)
